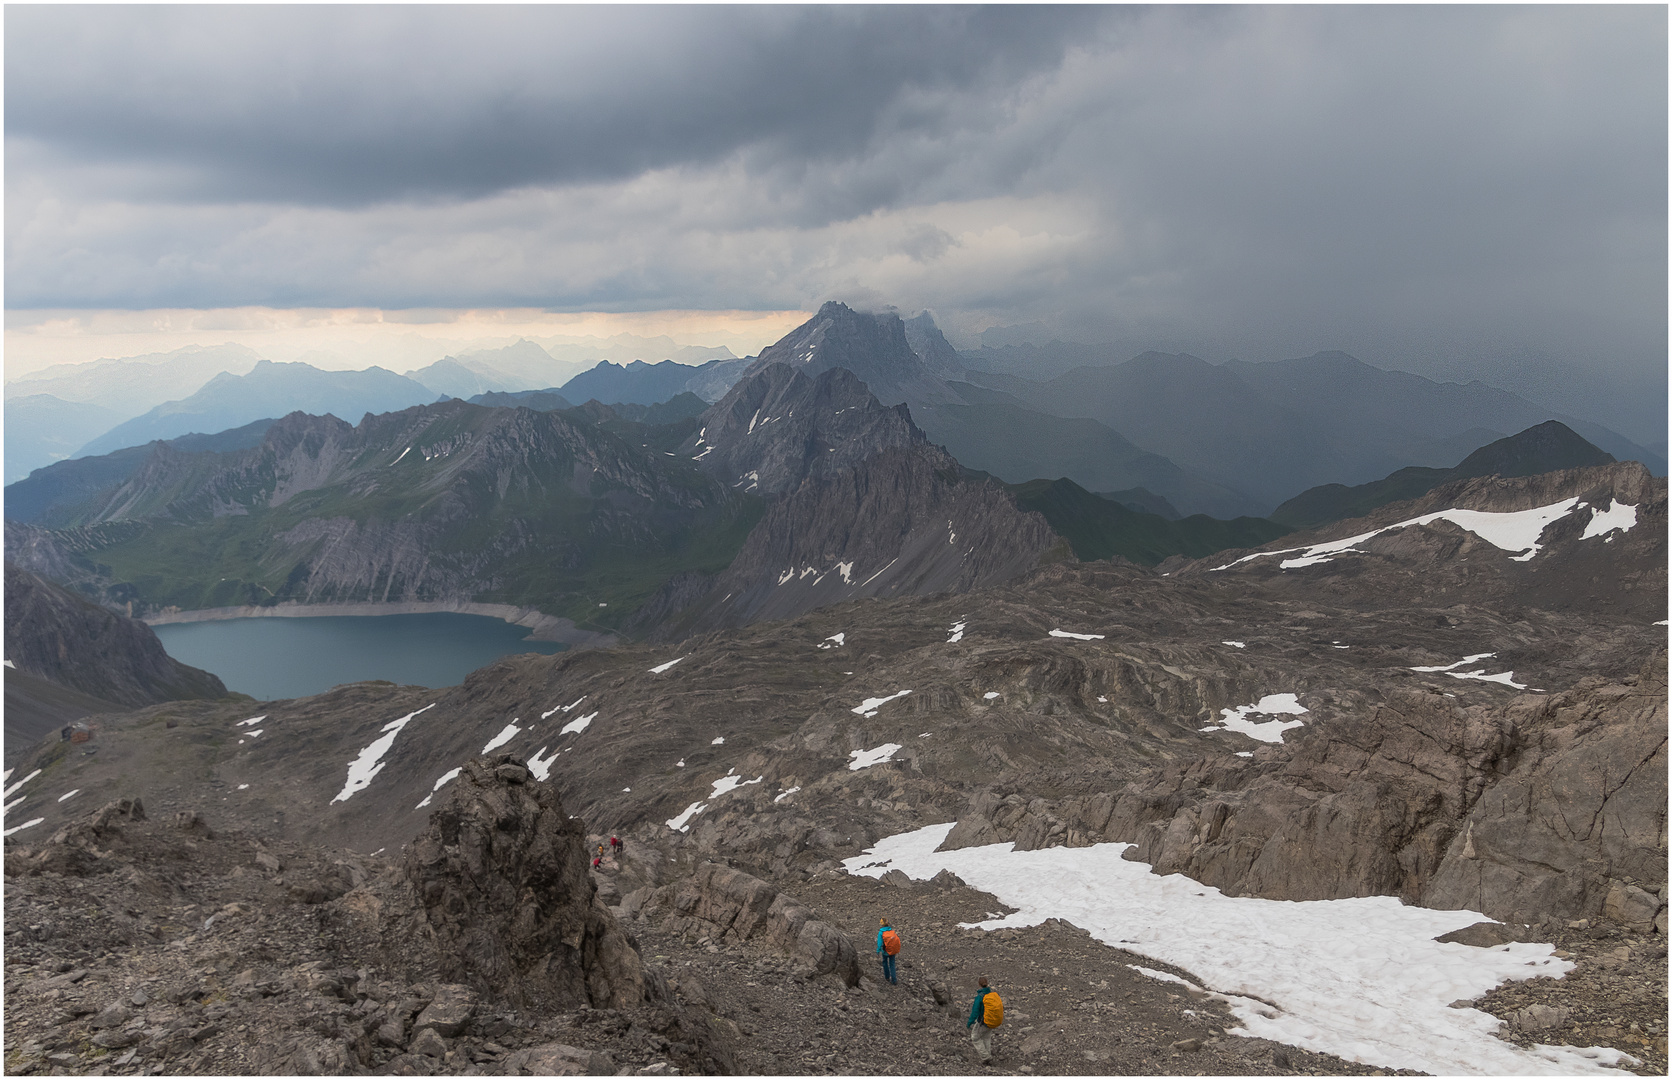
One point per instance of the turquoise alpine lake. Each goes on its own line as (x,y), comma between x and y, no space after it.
(272,658)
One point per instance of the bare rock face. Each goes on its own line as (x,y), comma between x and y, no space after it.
(66,639)
(780,426)
(1580,821)
(735,906)
(501,874)
(906,522)
(1359,810)
(1545,807)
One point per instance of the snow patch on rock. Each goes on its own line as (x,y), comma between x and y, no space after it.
(1362,978)
(864,759)
(870,705)
(364,768)
(579,724)
(1268,731)
(1515,531)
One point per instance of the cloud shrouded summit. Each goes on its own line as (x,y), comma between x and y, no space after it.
(1466,192)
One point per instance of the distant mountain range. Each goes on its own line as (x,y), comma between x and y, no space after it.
(42,429)
(229,401)
(1543,448)
(587,514)
(992,432)
(1097,527)
(134,384)
(69,410)
(51,415)
(539,400)
(526,365)
(1228,440)
(449,377)
(1270,430)
(439,503)
(325,510)
(637,382)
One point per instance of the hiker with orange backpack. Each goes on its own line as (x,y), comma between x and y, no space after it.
(986,1014)
(888,947)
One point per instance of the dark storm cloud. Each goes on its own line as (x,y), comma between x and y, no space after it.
(348,105)
(1466,192)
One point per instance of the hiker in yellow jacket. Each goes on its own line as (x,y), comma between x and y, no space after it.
(986,1014)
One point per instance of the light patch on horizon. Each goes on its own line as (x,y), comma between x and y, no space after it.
(351,339)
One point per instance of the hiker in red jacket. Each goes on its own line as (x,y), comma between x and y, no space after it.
(888,947)
(615,846)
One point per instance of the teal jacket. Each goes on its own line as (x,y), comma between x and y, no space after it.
(975,1006)
(880,931)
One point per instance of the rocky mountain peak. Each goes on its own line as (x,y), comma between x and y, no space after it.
(872,346)
(781,425)
(1542,448)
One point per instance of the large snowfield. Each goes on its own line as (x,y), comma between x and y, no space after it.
(1360,978)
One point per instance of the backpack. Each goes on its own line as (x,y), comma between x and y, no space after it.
(992,1010)
(890,942)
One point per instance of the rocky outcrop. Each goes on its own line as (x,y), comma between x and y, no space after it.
(210,951)
(731,905)
(1361,809)
(1578,826)
(501,874)
(55,635)
(1545,808)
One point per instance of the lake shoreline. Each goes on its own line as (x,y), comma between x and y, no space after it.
(541,627)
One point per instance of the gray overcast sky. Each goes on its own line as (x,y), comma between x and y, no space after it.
(1462,192)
